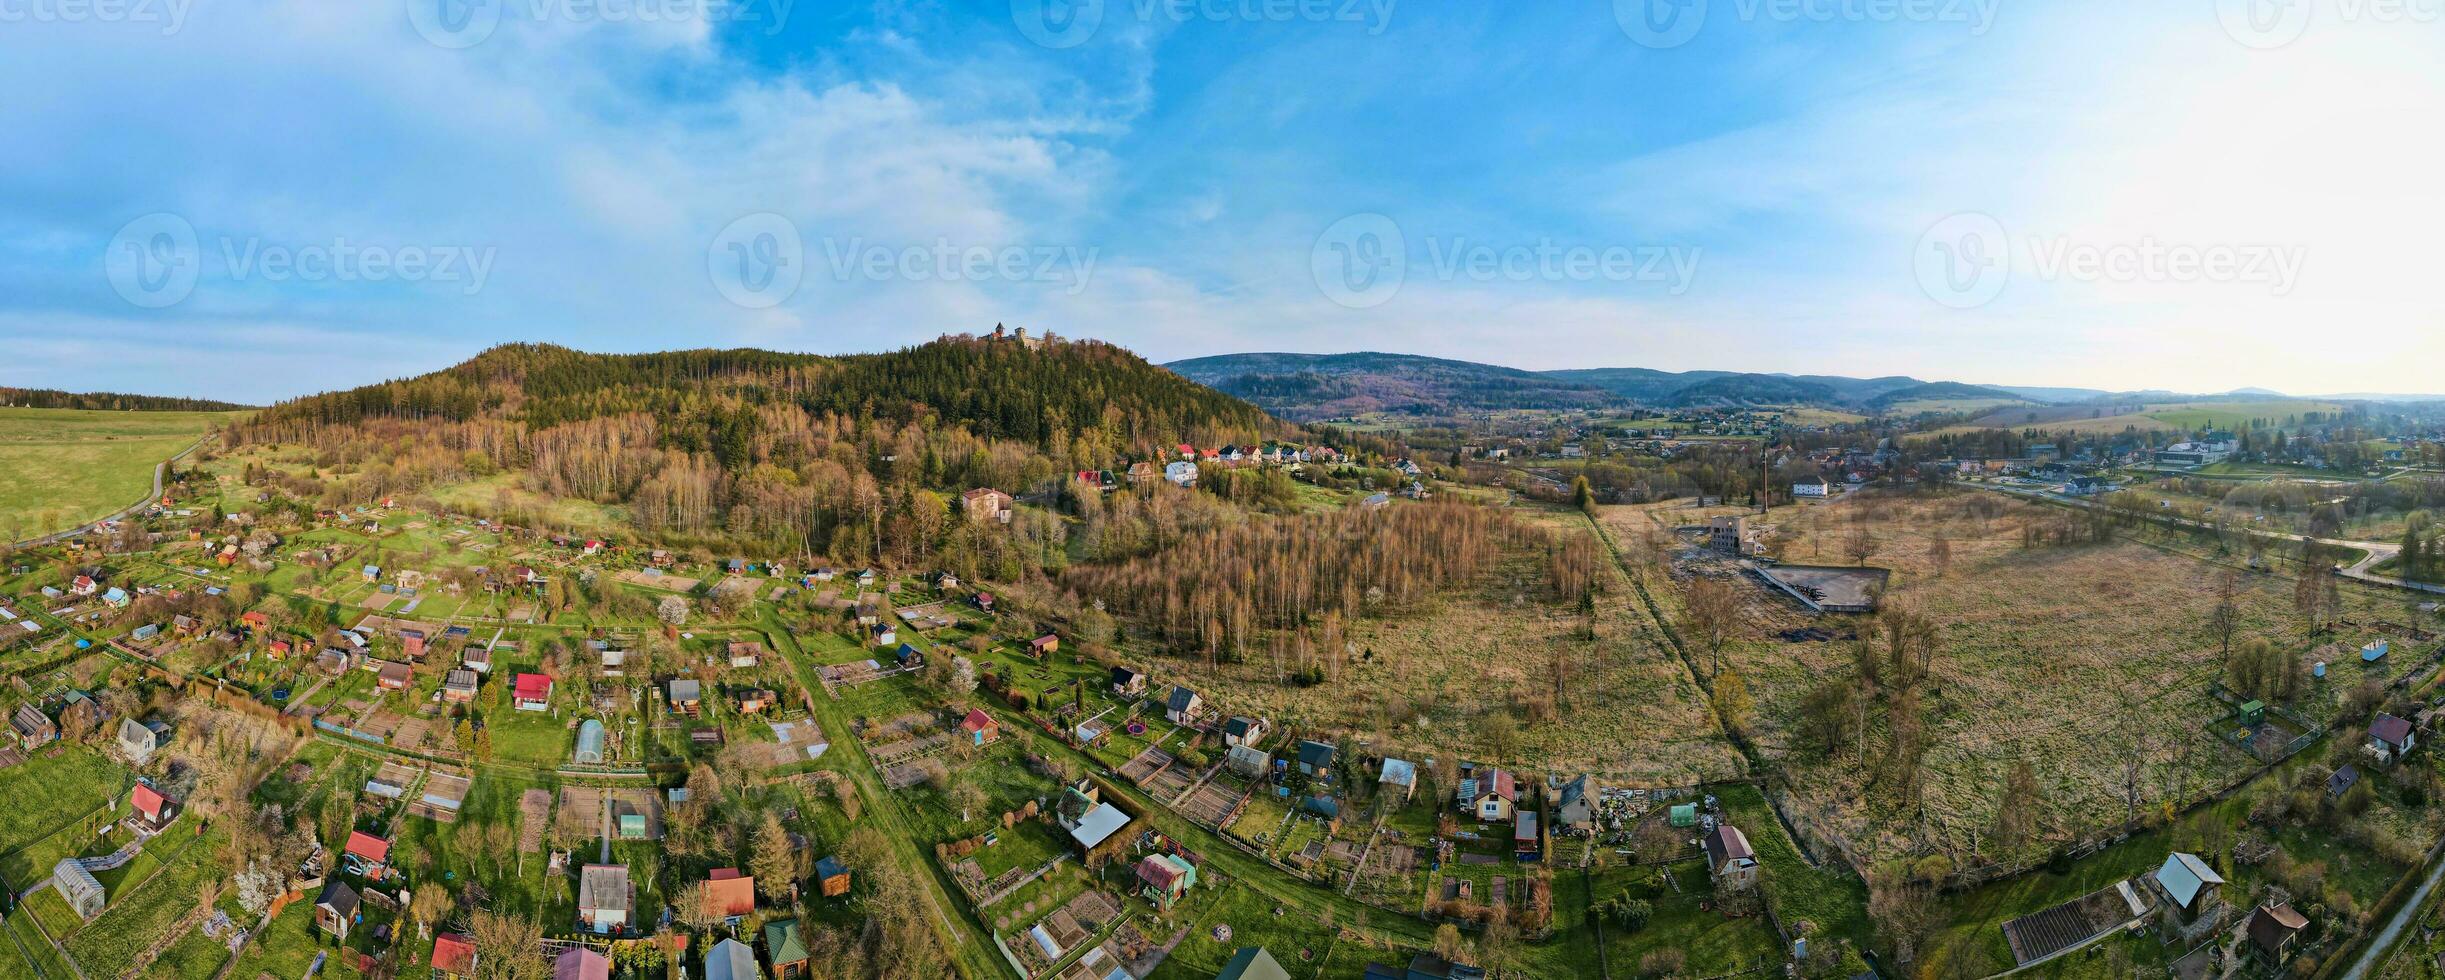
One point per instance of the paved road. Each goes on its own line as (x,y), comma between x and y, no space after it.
(2378,948)
(160,470)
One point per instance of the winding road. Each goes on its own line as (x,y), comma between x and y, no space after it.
(160,470)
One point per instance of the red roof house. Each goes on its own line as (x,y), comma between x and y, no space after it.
(454,955)
(729,894)
(979,726)
(369,847)
(532,692)
(151,807)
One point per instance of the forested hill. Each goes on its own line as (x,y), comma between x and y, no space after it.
(1048,397)
(1319,386)
(104,401)
(782,453)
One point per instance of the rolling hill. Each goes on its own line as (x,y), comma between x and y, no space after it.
(1323,386)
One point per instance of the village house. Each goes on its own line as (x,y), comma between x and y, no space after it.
(986,504)
(459,686)
(1729,860)
(367,855)
(153,811)
(731,960)
(33,728)
(2390,738)
(1252,963)
(979,727)
(1243,730)
(138,741)
(786,949)
(746,653)
(1398,776)
(687,695)
(756,701)
(603,898)
(2188,885)
(884,635)
(2271,930)
(1316,759)
(1574,805)
(1043,646)
(393,676)
(1181,473)
(1490,795)
(1167,879)
(983,601)
(478,659)
(1182,707)
(581,963)
(453,955)
(335,909)
(831,877)
(729,895)
(1127,682)
(2342,781)
(531,692)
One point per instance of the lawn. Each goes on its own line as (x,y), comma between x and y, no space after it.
(60,468)
(72,783)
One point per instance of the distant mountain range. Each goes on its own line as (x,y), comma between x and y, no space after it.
(1323,386)
(1307,387)
(1303,387)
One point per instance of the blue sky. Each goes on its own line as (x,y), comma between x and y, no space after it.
(2073,193)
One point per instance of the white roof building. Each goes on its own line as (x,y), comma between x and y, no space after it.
(1098,825)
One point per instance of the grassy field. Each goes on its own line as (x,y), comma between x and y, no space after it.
(59,468)
(2114,648)
(1625,707)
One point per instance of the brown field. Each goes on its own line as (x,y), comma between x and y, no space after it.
(2053,654)
(1425,683)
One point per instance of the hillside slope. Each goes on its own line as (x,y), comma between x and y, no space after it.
(1322,386)
(993,390)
